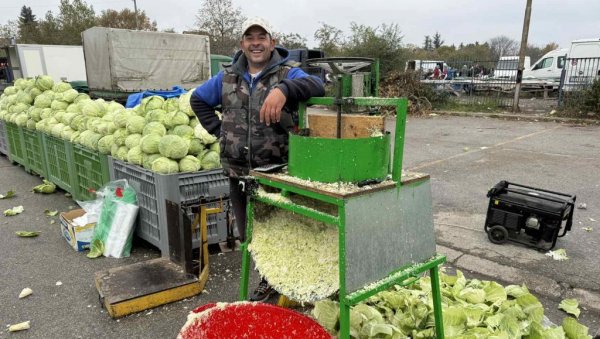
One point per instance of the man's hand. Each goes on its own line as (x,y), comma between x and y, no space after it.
(271,108)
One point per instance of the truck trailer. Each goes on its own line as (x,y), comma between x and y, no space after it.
(61,62)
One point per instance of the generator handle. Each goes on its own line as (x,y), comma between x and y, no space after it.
(539,189)
(547,198)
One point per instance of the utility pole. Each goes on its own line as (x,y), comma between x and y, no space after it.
(135,14)
(522,55)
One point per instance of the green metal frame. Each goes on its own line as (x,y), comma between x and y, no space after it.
(402,276)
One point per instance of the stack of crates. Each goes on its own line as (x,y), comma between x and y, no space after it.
(16,151)
(34,152)
(90,172)
(59,161)
(3,140)
(154,189)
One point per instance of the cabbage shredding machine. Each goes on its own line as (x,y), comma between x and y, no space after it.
(384,217)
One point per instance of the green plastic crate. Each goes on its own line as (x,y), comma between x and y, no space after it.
(91,172)
(34,152)
(59,159)
(3,141)
(16,150)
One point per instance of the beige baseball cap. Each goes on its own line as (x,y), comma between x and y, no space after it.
(257,21)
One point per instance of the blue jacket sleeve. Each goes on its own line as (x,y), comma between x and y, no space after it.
(204,100)
(299,86)
(210,91)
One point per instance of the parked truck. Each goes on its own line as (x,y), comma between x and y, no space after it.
(583,64)
(508,65)
(119,62)
(62,63)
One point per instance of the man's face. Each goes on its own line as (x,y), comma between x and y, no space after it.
(257,45)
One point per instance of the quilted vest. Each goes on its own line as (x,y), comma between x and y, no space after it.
(246,142)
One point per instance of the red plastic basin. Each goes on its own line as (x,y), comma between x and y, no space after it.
(251,320)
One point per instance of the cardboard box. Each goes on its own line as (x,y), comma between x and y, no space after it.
(79,237)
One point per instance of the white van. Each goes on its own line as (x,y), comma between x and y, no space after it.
(583,65)
(508,65)
(548,67)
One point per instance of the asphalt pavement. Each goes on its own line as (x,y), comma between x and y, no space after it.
(465,156)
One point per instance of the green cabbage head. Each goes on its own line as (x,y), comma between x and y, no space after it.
(164,165)
(173,146)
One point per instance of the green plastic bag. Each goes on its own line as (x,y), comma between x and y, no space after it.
(114,231)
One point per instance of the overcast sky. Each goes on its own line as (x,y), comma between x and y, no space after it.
(457,21)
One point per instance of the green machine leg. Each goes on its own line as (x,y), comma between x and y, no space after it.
(437,301)
(245,274)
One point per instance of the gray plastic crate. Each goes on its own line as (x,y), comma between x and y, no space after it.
(153,189)
(3,142)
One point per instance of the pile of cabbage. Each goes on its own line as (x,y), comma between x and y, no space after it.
(471,309)
(297,255)
(162,135)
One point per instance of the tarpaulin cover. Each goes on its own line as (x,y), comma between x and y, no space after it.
(136,98)
(133,61)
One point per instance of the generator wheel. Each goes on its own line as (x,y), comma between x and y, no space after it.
(498,234)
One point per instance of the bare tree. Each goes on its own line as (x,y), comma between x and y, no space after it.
(9,30)
(502,46)
(223,23)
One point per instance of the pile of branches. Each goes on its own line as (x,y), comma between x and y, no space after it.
(407,84)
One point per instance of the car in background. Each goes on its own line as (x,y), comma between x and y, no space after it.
(507,67)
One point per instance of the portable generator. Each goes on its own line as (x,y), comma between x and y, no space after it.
(528,215)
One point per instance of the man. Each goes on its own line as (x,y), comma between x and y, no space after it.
(258,94)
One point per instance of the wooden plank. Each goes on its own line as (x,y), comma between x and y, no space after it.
(324,125)
(144,278)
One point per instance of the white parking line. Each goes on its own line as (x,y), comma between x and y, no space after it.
(435,162)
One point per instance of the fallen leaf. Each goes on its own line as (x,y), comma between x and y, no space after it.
(51,213)
(25,292)
(68,195)
(8,195)
(592,219)
(14,211)
(587,229)
(58,283)
(27,234)
(582,206)
(47,187)
(571,306)
(560,254)
(19,327)
(52,222)
(466,149)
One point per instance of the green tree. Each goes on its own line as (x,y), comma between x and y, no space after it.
(383,43)
(437,41)
(50,32)
(222,22)
(28,26)
(427,44)
(126,19)
(330,39)
(73,18)
(290,40)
